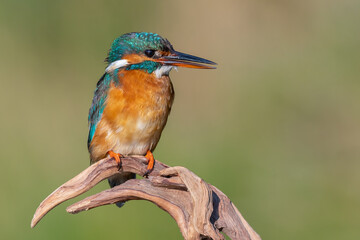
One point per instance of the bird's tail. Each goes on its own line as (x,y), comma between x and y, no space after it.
(119,179)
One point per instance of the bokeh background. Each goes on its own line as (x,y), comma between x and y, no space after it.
(275,127)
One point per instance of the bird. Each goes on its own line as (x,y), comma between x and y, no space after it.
(133,99)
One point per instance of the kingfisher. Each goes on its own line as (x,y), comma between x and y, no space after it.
(133,99)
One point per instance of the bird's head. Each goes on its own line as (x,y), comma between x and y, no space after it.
(150,52)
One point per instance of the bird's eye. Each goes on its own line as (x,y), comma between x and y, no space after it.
(149,52)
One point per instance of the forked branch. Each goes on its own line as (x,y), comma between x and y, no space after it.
(201,210)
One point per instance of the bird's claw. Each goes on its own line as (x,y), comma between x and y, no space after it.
(117,157)
(146,174)
(151,162)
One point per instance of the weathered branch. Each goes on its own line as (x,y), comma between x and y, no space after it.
(200,209)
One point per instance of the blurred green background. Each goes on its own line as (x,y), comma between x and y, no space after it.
(275,127)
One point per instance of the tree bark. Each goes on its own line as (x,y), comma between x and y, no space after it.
(201,210)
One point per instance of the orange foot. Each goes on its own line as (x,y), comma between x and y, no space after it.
(150,157)
(117,157)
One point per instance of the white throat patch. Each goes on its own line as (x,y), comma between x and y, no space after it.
(117,64)
(163,70)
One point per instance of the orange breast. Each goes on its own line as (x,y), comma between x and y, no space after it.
(135,114)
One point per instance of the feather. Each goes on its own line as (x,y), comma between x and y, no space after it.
(98,105)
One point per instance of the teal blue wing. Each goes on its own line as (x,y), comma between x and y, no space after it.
(98,105)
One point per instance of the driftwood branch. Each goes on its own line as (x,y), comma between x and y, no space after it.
(201,210)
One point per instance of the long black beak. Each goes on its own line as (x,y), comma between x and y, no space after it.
(180,59)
